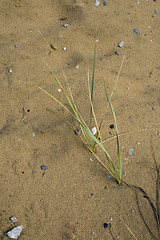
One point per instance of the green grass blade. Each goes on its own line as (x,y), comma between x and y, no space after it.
(75,113)
(94,60)
(85,129)
(118,147)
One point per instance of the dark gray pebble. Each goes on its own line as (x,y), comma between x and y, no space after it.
(104,3)
(43,167)
(112,126)
(105,225)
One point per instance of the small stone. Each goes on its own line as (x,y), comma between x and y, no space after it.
(77,131)
(13,219)
(10,70)
(112,126)
(125,159)
(132,210)
(94,130)
(90,159)
(131,152)
(65,25)
(153,108)
(33,134)
(108,176)
(104,3)
(43,167)
(92,195)
(59,90)
(105,225)
(124,173)
(156,12)
(121,44)
(136,31)
(97,3)
(117,53)
(15,232)
(77,66)
(64,48)
(16,46)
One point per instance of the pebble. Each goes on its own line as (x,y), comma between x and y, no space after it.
(33,134)
(97,3)
(77,66)
(136,31)
(77,131)
(125,159)
(16,46)
(94,130)
(117,53)
(59,90)
(43,167)
(90,159)
(15,232)
(104,3)
(156,12)
(10,70)
(65,25)
(121,44)
(131,152)
(105,225)
(112,126)
(124,173)
(64,48)
(108,176)
(13,219)
(133,210)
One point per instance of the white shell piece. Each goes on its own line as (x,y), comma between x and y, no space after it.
(15,232)
(97,3)
(121,44)
(94,130)
(13,219)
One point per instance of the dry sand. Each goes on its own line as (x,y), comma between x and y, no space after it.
(73,198)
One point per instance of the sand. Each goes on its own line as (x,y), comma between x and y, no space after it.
(73,198)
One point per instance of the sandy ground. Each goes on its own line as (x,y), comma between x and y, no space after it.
(73,199)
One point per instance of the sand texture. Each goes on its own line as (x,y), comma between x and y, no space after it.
(73,198)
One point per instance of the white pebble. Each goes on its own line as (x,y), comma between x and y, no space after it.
(131,152)
(59,90)
(121,44)
(64,48)
(77,66)
(66,25)
(94,130)
(13,219)
(15,232)
(10,70)
(97,3)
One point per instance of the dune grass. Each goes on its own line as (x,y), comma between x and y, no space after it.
(91,139)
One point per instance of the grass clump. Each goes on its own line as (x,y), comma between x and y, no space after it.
(91,139)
